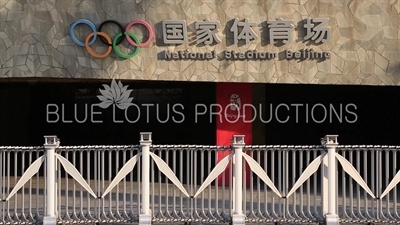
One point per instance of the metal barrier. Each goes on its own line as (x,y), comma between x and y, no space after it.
(75,204)
(375,199)
(191,165)
(27,206)
(284,165)
(177,183)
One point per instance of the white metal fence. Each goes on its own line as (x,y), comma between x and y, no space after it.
(177,183)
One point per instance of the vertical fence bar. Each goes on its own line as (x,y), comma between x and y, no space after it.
(315,186)
(210,210)
(117,214)
(110,159)
(37,188)
(81,214)
(286,183)
(216,184)
(231,187)
(16,164)
(50,145)
(373,183)
(95,179)
(280,175)
(23,187)
(309,185)
(358,163)
(387,182)
(124,189)
(174,188)
(395,166)
(30,190)
(238,218)
(8,182)
(145,217)
(351,184)
(102,182)
(330,142)
(194,182)
(1,187)
(265,211)
(181,178)
(378,183)
(88,166)
(66,186)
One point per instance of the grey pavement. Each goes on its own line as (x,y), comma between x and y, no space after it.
(164,198)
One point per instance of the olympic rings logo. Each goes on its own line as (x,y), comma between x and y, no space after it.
(111,43)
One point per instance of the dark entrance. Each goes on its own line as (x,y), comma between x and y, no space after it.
(25,116)
(23,113)
(24,121)
(376,120)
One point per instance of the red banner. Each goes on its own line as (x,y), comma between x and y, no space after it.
(232,120)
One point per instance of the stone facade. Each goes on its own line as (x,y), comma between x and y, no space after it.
(364,44)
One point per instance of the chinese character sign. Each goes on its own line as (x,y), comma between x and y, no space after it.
(247,32)
(318,33)
(206,31)
(280,30)
(174,31)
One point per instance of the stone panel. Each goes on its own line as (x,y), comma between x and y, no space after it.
(364,45)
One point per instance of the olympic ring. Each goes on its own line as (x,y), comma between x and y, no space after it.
(93,53)
(120,54)
(112,43)
(83,21)
(149,29)
(121,29)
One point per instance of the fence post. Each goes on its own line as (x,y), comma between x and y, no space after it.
(145,215)
(238,217)
(331,143)
(325,186)
(50,145)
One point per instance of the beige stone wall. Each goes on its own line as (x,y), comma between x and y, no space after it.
(364,44)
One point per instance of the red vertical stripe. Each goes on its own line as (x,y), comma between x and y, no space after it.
(227,122)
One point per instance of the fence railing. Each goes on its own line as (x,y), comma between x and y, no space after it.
(147,183)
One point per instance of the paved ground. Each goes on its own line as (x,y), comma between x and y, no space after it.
(165,198)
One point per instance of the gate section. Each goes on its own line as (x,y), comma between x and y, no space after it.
(285,184)
(22,202)
(368,189)
(184,185)
(88,186)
